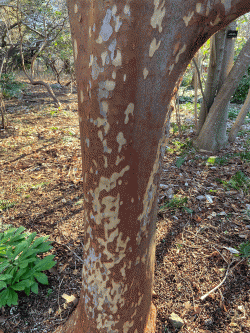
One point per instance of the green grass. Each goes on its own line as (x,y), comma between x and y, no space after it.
(237,182)
(6,204)
(177,202)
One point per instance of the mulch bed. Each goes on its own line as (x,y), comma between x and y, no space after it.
(40,173)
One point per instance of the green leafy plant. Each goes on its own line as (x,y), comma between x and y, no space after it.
(176,203)
(5,204)
(238,181)
(20,268)
(244,249)
(10,87)
(242,90)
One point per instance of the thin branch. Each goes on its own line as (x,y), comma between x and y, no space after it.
(221,283)
(199,78)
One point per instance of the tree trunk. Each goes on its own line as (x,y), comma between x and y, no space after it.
(128,58)
(210,136)
(240,119)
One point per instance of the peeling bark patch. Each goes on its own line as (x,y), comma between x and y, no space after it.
(81,96)
(145,73)
(104,108)
(182,50)
(109,85)
(94,163)
(106,149)
(171,68)
(216,21)
(187,18)
(100,135)
(117,23)
(227,4)
(118,160)
(111,48)
(159,13)
(114,75)
(118,59)
(153,47)
(114,10)
(104,56)
(126,10)
(121,140)
(75,48)
(106,29)
(90,32)
(150,192)
(75,8)
(87,142)
(127,326)
(95,68)
(130,109)
(124,77)
(198,7)
(101,122)
(105,162)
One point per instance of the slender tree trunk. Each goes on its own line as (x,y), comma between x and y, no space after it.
(217,44)
(210,136)
(240,119)
(196,84)
(128,58)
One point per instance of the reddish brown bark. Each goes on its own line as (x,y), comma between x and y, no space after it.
(128,57)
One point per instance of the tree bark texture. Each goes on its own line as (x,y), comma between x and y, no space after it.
(240,119)
(128,58)
(210,136)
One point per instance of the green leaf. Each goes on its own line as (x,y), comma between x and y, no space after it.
(45,264)
(27,291)
(41,277)
(3,285)
(190,211)
(4,297)
(39,241)
(18,275)
(19,248)
(34,288)
(180,161)
(22,285)
(25,263)
(5,276)
(3,266)
(12,298)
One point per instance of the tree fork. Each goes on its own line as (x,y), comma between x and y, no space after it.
(128,58)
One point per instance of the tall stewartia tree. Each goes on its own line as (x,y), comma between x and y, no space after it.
(129,55)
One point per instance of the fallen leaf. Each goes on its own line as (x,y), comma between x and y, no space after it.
(70,299)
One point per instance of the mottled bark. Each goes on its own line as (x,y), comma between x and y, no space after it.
(128,58)
(210,137)
(240,119)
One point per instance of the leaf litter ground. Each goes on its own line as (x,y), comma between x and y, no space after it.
(201,218)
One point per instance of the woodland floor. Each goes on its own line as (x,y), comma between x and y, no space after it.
(202,216)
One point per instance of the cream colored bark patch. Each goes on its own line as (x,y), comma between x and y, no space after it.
(187,18)
(87,142)
(75,8)
(114,75)
(182,50)
(104,56)
(101,122)
(105,161)
(153,47)
(145,73)
(75,49)
(216,21)
(109,85)
(106,149)
(129,110)
(126,10)
(121,140)
(118,59)
(198,7)
(81,96)
(158,15)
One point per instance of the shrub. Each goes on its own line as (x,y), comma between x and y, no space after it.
(10,87)
(20,268)
(242,90)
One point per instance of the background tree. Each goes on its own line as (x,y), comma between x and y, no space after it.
(128,58)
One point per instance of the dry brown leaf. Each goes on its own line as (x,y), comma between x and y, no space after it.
(187,305)
(63,268)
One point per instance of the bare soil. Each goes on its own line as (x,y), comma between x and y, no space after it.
(40,173)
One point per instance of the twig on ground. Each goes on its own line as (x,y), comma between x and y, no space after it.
(221,283)
(69,250)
